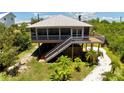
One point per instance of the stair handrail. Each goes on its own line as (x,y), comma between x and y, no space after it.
(57,46)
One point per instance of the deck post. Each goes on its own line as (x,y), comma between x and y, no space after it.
(82,32)
(72,52)
(86,47)
(76,32)
(82,46)
(39,47)
(47,34)
(71,32)
(91,46)
(37,39)
(59,34)
(36,34)
(98,47)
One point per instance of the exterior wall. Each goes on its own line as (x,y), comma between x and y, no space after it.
(10,19)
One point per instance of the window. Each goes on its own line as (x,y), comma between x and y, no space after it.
(4,19)
(12,19)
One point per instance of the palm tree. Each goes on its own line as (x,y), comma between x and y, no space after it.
(91,56)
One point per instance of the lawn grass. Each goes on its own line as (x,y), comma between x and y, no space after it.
(42,72)
(85,70)
(31,50)
(36,72)
(114,58)
(117,73)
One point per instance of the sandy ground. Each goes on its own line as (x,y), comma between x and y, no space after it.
(104,65)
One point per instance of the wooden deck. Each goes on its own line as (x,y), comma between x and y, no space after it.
(93,40)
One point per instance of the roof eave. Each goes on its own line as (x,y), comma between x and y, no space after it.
(56,26)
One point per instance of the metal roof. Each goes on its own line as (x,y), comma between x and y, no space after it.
(60,21)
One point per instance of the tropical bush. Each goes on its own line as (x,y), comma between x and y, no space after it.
(62,69)
(7,50)
(22,41)
(122,57)
(77,63)
(92,56)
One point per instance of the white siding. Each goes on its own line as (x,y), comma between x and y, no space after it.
(8,21)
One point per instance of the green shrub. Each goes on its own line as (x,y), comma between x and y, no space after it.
(92,57)
(122,57)
(77,64)
(22,41)
(63,68)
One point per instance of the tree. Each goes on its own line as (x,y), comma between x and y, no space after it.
(122,57)
(22,41)
(7,51)
(105,21)
(7,57)
(22,38)
(35,20)
(23,27)
(91,56)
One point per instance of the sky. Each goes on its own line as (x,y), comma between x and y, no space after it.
(110,16)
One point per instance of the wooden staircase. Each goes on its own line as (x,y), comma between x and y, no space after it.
(58,49)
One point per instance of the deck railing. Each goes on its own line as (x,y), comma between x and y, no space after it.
(64,37)
(50,37)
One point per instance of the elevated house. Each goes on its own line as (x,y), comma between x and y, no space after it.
(7,18)
(63,31)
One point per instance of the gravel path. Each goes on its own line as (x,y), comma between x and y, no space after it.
(104,65)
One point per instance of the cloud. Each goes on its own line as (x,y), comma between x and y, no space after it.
(35,14)
(21,21)
(84,15)
(45,16)
(110,19)
(41,15)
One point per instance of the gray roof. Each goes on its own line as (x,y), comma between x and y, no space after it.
(60,21)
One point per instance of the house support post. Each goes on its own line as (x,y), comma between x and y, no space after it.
(82,47)
(91,46)
(39,47)
(71,32)
(86,47)
(83,32)
(76,32)
(37,39)
(98,47)
(59,34)
(72,52)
